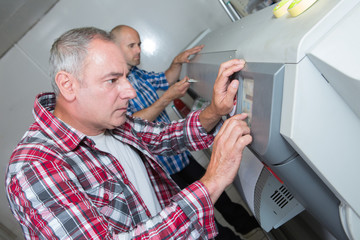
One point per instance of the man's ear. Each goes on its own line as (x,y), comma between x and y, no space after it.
(66,83)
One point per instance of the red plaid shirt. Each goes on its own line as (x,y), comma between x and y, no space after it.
(60,186)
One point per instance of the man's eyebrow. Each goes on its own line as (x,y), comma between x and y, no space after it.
(114,74)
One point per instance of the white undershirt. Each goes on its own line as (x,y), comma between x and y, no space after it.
(133,166)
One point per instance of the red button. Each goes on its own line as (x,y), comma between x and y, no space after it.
(106,196)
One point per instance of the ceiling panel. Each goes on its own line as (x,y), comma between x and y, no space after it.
(17,17)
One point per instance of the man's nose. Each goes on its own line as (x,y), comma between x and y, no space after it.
(127,90)
(138,49)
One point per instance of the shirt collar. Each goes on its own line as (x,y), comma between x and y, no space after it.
(61,133)
(133,69)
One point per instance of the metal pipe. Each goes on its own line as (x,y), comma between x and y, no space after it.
(227,10)
(234,13)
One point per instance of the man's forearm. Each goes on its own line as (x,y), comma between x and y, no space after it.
(152,112)
(209,118)
(173,73)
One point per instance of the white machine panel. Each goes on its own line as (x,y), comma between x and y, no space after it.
(320,112)
(261,37)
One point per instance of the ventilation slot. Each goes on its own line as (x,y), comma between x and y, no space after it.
(281,197)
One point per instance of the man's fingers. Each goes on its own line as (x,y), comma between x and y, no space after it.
(244,141)
(234,126)
(195,49)
(184,80)
(234,140)
(228,68)
(231,91)
(187,53)
(240,116)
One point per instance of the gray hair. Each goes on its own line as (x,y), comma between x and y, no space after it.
(69,51)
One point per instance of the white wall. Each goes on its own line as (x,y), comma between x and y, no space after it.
(24,69)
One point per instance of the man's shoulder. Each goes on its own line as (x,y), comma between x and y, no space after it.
(135,70)
(142,72)
(34,148)
(137,74)
(35,142)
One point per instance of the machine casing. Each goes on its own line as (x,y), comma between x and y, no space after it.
(305,104)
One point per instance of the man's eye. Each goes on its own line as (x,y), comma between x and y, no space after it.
(112,80)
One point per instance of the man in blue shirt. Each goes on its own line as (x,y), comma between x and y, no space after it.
(148,105)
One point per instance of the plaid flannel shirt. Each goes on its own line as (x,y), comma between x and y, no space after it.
(60,186)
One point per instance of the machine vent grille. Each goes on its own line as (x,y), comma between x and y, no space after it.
(281,196)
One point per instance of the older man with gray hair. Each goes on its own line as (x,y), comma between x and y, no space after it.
(86,170)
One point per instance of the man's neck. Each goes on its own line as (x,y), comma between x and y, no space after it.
(65,114)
